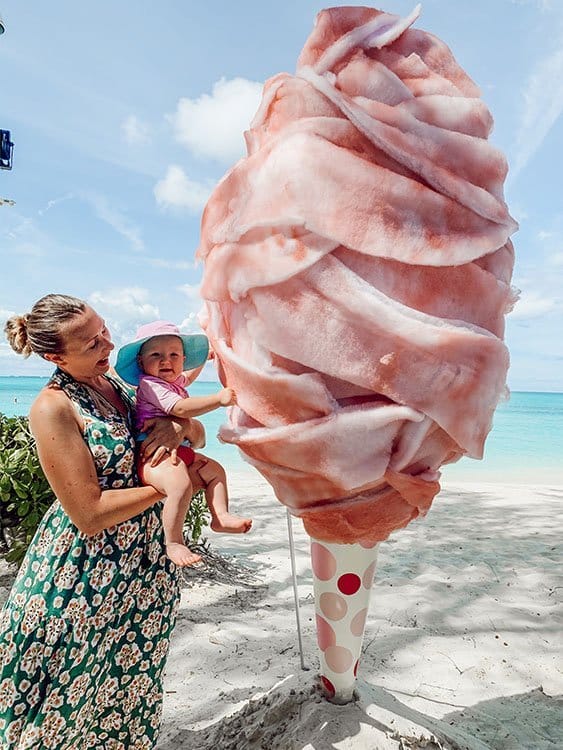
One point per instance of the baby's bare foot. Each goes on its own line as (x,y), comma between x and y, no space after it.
(181,555)
(229,524)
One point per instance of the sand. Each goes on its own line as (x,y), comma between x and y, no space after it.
(462,646)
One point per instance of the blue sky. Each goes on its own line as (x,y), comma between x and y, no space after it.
(125,114)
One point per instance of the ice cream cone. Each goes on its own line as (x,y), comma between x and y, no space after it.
(342,578)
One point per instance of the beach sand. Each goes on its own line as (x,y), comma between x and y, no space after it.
(462,647)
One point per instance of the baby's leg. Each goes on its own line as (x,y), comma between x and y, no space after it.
(174,482)
(210,476)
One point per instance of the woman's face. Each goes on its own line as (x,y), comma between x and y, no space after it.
(87,346)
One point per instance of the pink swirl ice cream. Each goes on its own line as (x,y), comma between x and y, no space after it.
(357,269)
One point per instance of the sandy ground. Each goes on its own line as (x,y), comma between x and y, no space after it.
(462,647)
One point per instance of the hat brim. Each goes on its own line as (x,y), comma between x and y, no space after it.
(196,350)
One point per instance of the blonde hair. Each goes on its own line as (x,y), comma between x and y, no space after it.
(41,330)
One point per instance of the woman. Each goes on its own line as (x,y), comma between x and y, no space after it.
(84,634)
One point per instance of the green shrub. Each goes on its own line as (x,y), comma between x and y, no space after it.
(25,494)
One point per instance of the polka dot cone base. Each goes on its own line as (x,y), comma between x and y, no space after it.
(342,579)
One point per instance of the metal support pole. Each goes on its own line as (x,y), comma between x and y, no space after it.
(295,595)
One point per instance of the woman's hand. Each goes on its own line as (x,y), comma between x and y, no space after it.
(195,433)
(164,437)
(165,434)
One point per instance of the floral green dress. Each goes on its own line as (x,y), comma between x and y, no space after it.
(84,634)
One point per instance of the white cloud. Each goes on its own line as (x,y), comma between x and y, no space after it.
(213,124)
(556,259)
(124,309)
(178,265)
(543,104)
(190,324)
(116,220)
(134,131)
(533,305)
(176,190)
(191,291)
(51,204)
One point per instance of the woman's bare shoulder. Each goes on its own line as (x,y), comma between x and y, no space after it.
(51,403)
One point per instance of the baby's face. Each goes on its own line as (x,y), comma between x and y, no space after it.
(162,357)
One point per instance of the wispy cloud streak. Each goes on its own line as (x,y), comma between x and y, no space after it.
(543,103)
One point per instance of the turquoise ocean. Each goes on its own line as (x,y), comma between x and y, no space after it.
(525,444)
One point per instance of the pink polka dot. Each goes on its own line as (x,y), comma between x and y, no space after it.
(339,659)
(323,562)
(349,583)
(328,686)
(332,605)
(367,578)
(368,545)
(359,622)
(325,634)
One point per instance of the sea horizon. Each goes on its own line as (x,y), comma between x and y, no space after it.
(525,444)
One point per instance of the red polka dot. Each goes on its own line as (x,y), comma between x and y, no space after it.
(349,583)
(328,686)
(356,665)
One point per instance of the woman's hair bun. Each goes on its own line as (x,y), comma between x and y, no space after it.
(16,333)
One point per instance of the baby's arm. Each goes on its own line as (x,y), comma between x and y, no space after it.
(195,406)
(191,375)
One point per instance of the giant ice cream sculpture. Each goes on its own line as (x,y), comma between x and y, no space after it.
(357,269)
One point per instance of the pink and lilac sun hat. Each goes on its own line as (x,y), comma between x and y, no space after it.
(196,349)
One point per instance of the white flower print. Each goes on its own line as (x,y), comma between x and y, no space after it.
(44,543)
(77,610)
(76,689)
(112,721)
(30,738)
(95,544)
(146,598)
(51,728)
(126,534)
(65,577)
(14,730)
(34,613)
(152,625)
(7,693)
(55,627)
(53,700)
(7,650)
(43,571)
(128,656)
(160,651)
(104,694)
(33,695)
(32,658)
(64,542)
(102,574)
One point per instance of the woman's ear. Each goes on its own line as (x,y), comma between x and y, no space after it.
(57,359)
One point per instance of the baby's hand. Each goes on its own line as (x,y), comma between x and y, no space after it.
(227,397)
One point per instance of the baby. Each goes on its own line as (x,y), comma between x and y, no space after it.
(162,362)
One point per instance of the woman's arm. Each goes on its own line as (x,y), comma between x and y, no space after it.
(197,405)
(70,470)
